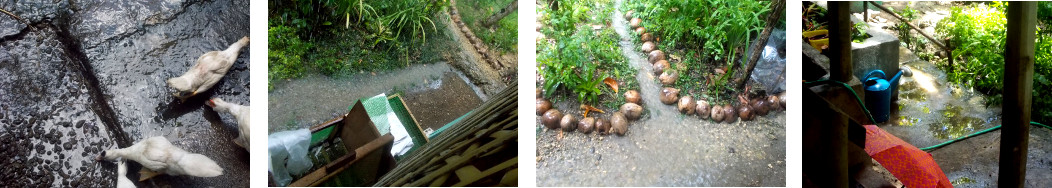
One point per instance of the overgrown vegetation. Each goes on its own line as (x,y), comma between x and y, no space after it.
(704,35)
(503,36)
(336,36)
(813,16)
(977,32)
(579,57)
(904,28)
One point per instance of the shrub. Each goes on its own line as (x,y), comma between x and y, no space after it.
(285,54)
(580,58)
(978,35)
(978,32)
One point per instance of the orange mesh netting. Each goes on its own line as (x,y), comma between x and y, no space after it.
(915,168)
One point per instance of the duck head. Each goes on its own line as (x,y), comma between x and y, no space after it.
(106,155)
(218,105)
(101,156)
(182,88)
(179,84)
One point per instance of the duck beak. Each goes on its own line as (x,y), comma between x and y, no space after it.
(101,156)
(210,103)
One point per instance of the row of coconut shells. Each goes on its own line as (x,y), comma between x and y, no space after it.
(747,110)
(480,47)
(617,123)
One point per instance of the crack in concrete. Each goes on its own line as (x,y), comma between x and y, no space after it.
(25,31)
(71,47)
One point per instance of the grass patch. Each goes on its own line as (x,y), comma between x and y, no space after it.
(503,36)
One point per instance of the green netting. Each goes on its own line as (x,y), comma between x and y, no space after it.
(409,123)
(378,108)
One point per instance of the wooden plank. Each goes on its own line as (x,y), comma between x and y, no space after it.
(339,165)
(489,172)
(358,129)
(1018,80)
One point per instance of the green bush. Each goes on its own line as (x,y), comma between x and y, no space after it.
(337,36)
(720,30)
(721,27)
(904,28)
(1042,91)
(285,54)
(580,58)
(978,34)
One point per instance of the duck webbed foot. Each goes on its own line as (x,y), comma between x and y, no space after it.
(146,174)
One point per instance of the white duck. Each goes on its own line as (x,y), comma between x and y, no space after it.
(209,69)
(122,176)
(241,113)
(157,155)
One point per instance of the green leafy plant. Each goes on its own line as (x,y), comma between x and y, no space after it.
(903,28)
(977,33)
(813,17)
(285,55)
(720,29)
(581,57)
(573,66)
(858,32)
(1042,97)
(373,32)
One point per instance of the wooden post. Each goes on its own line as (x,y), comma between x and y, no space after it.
(840,70)
(1019,73)
(865,11)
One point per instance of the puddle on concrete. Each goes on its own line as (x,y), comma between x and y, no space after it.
(664,148)
(945,110)
(972,162)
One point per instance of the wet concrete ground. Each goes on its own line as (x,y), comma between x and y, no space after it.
(664,148)
(433,92)
(932,111)
(89,76)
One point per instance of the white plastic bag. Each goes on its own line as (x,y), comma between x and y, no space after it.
(288,154)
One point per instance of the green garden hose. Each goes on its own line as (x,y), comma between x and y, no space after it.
(929,148)
(819,82)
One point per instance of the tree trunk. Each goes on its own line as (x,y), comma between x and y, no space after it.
(493,19)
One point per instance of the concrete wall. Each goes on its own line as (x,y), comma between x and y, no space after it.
(878,52)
